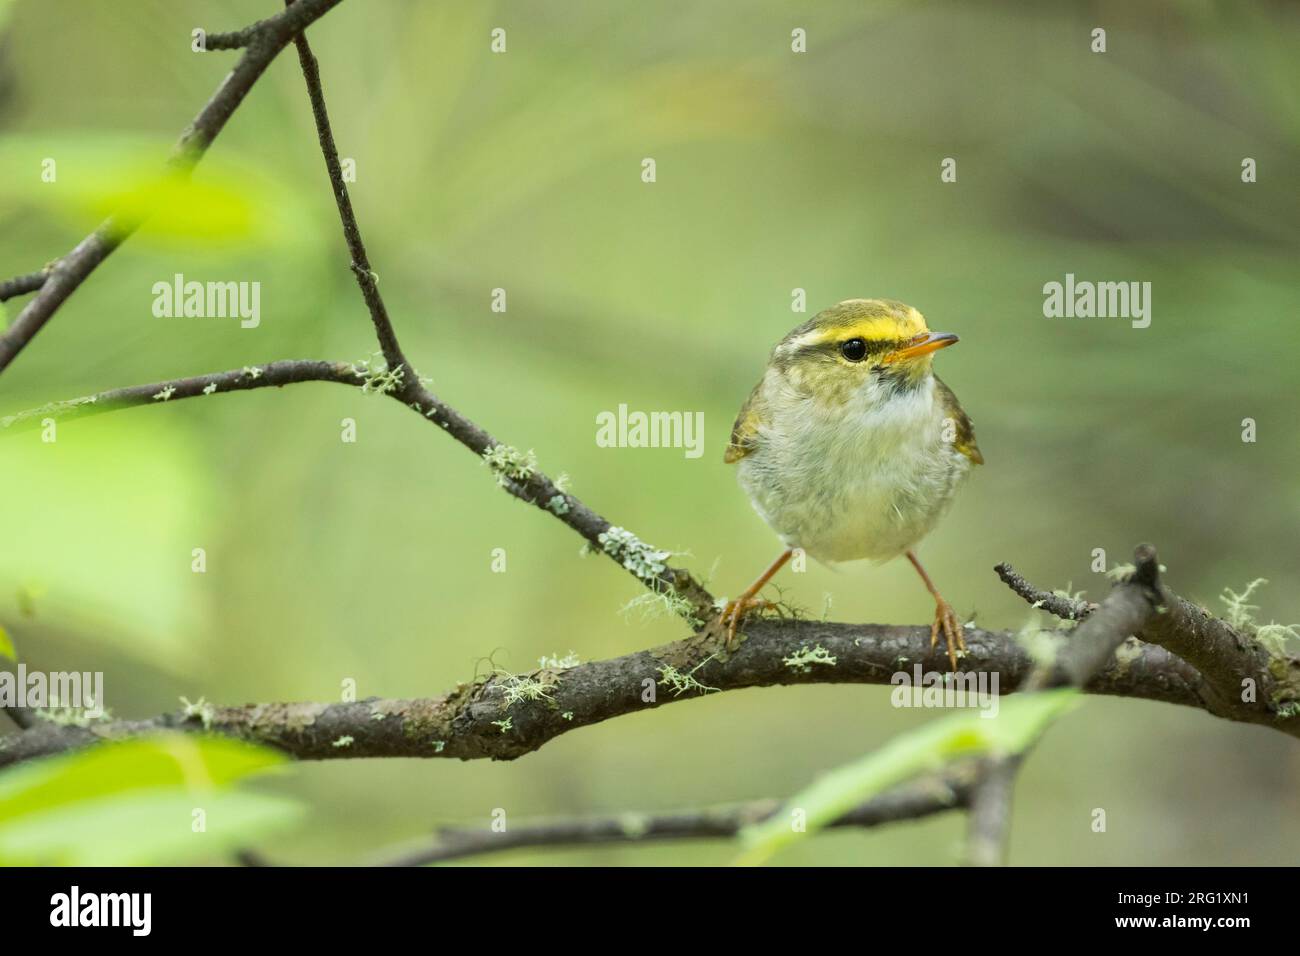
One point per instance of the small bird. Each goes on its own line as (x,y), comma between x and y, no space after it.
(851,447)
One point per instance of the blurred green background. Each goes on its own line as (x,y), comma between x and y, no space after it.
(775,171)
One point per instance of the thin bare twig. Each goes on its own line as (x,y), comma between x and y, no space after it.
(69,272)
(530,484)
(1063,607)
(21,285)
(351,231)
(934,794)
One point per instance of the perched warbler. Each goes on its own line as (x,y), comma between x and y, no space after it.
(851,447)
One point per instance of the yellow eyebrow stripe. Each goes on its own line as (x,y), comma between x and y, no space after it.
(875,329)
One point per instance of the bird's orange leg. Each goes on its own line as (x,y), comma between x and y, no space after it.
(735,610)
(945,619)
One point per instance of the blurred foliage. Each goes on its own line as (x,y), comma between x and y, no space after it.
(328,561)
(233,203)
(166,798)
(1009,730)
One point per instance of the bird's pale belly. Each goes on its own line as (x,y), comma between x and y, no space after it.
(842,494)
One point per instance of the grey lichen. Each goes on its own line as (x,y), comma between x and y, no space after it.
(70,716)
(1126,654)
(1042,645)
(1073,598)
(517,688)
(558,505)
(804,659)
(557,663)
(645,561)
(510,464)
(1121,572)
(505,725)
(1240,614)
(1272,637)
(634,825)
(200,709)
(376,377)
(680,683)
(662,600)
(53,409)
(344,741)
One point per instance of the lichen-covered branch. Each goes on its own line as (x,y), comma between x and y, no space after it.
(1242,676)
(270,375)
(506,716)
(1054,602)
(517,474)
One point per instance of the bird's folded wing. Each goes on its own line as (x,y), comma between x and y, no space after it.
(964,440)
(744,434)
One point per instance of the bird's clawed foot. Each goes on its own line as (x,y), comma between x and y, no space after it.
(734,612)
(946,622)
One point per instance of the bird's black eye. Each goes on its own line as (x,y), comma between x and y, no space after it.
(855,350)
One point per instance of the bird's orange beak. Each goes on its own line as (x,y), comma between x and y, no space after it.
(923,344)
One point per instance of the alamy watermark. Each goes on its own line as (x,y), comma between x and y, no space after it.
(920,688)
(63,690)
(632,429)
(1073,299)
(208,300)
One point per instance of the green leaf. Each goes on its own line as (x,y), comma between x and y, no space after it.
(134,802)
(112,512)
(83,178)
(144,827)
(1019,721)
(7,648)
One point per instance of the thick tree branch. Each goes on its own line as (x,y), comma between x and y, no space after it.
(504,716)
(1234,664)
(1240,677)
(266,40)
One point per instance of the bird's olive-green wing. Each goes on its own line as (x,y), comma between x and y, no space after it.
(964,440)
(744,434)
